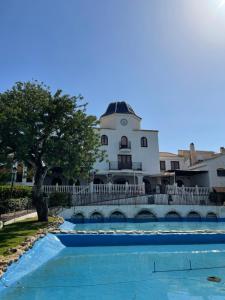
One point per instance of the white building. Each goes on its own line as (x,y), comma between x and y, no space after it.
(132,156)
(215,170)
(171,161)
(132,152)
(193,167)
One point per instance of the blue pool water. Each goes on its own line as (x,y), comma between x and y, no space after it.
(166,226)
(126,273)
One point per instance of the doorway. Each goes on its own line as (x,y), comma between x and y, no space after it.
(124,162)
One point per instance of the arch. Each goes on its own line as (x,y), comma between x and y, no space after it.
(124,142)
(71,181)
(97,216)
(194,216)
(211,216)
(120,181)
(98,181)
(56,180)
(180,183)
(117,215)
(173,215)
(78,217)
(104,139)
(144,142)
(145,214)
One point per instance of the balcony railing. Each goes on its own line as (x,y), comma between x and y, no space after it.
(115,165)
(125,146)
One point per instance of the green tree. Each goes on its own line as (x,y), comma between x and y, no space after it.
(46,130)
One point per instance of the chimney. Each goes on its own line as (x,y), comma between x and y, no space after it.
(222,150)
(193,156)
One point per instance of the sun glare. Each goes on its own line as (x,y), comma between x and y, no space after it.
(221,4)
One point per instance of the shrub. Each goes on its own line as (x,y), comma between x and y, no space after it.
(5,177)
(59,199)
(11,205)
(17,192)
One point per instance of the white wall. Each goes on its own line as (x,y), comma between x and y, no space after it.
(211,165)
(169,158)
(149,156)
(113,121)
(130,211)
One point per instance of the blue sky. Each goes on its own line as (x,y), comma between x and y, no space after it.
(166,58)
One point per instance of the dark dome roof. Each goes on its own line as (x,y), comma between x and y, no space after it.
(119,108)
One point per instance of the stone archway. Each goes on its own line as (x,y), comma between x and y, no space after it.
(78,217)
(145,215)
(117,216)
(97,216)
(173,216)
(211,216)
(193,215)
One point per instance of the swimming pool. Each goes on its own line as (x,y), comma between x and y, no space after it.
(166,226)
(126,272)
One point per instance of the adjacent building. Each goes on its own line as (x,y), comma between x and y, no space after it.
(193,167)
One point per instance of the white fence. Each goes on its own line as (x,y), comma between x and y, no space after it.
(175,190)
(131,189)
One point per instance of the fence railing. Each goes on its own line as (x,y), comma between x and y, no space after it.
(131,189)
(131,194)
(175,190)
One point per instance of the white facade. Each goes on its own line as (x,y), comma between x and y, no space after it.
(195,167)
(167,159)
(215,168)
(132,160)
(158,211)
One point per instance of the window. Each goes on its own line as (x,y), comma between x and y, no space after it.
(104,140)
(175,165)
(144,142)
(124,142)
(162,165)
(221,172)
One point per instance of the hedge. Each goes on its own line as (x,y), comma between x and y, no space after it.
(11,205)
(59,200)
(17,192)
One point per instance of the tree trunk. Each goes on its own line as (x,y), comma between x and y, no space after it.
(38,199)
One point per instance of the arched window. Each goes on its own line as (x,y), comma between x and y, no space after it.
(124,142)
(104,140)
(144,142)
(221,172)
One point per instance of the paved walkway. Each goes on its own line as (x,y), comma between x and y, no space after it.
(17,216)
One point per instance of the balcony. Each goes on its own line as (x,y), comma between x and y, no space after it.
(115,165)
(125,146)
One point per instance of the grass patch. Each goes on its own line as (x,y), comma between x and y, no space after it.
(14,234)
